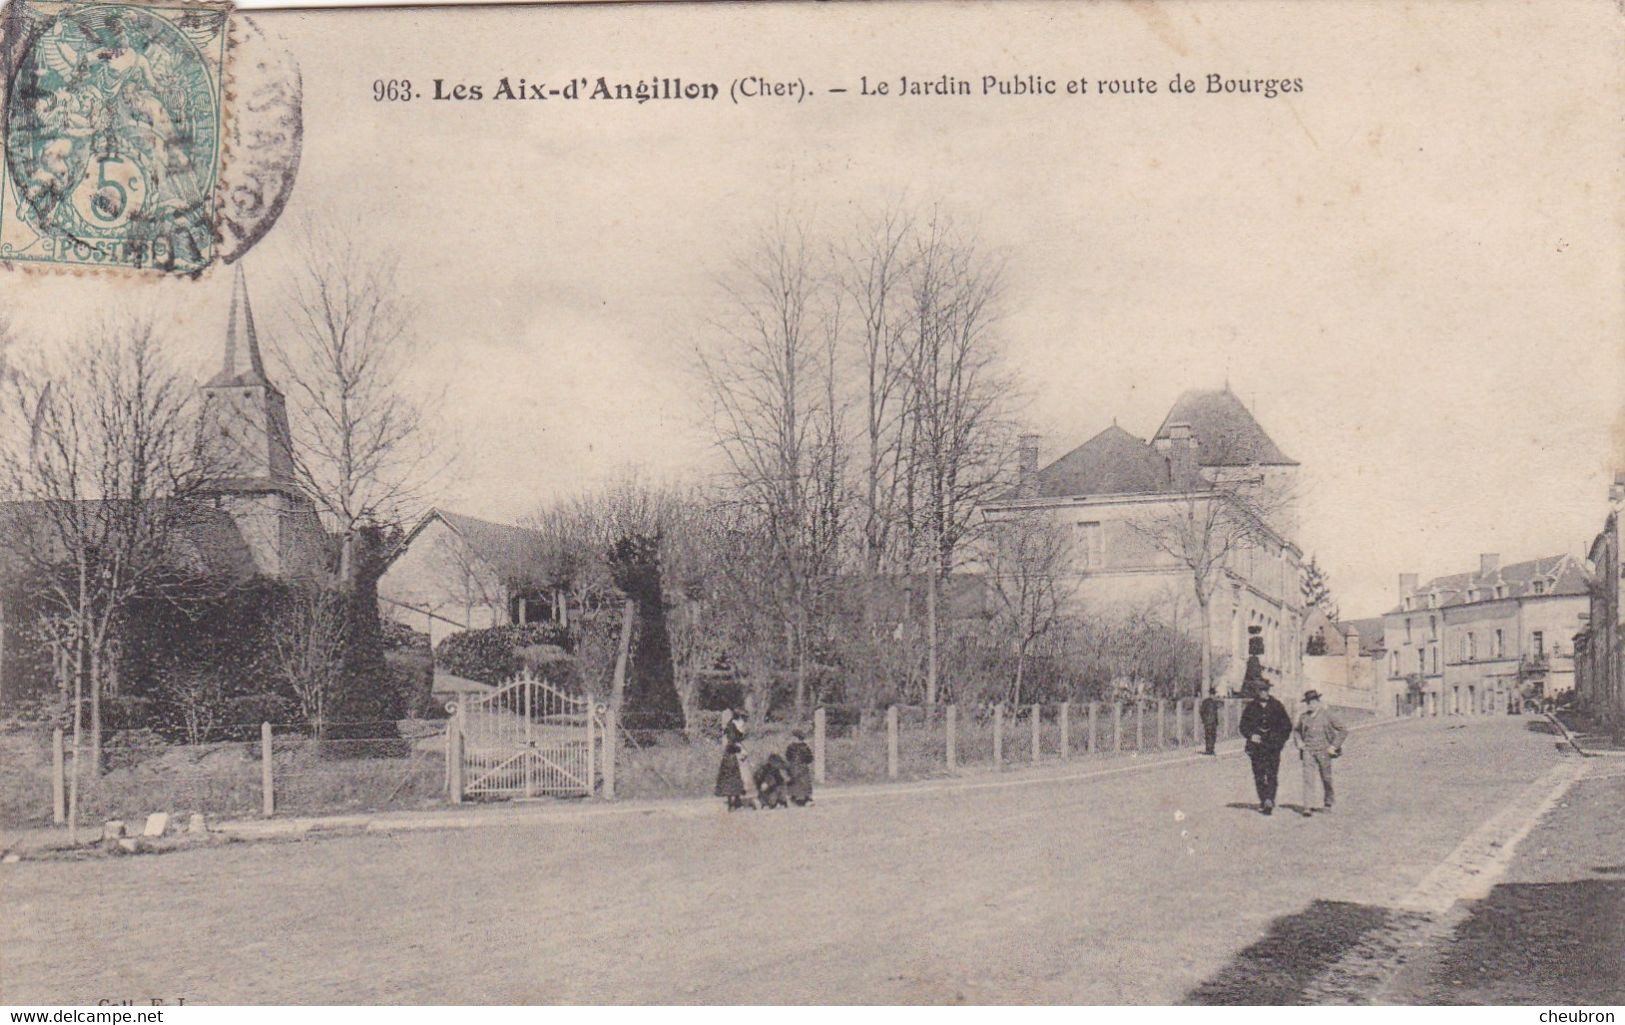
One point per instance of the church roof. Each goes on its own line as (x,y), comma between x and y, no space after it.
(243,366)
(204,541)
(1226,433)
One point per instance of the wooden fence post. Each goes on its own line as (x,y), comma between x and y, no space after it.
(1093,742)
(1117,727)
(267,788)
(818,745)
(891,741)
(1162,707)
(59,790)
(611,724)
(592,750)
(1179,722)
(951,718)
(1066,732)
(998,736)
(1038,720)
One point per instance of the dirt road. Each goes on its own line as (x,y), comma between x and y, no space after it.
(1140,887)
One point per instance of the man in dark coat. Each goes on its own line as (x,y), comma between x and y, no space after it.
(1267,727)
(1210,718)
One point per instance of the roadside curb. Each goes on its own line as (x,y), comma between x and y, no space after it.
(1574,742)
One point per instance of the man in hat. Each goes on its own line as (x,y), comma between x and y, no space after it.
(1267,727)
(1210,718)
(1319,737)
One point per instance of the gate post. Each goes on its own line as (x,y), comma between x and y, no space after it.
(952,724)
(1162,707)
(611,722)
(1038,721)
(454,759)
(891,741)
(1066,732)
(818,745)
(1092,744)
(592,761)
(1117,727)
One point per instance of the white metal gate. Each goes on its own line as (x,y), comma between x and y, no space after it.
(527,739)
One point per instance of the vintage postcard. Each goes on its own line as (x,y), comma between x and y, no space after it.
(812,503)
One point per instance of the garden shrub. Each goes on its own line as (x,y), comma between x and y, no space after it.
(493,655)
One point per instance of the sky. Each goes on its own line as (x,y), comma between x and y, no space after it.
(1411,270)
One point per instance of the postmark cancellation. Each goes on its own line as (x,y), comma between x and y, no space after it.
(113,134)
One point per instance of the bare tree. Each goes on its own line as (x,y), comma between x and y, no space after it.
(1212,521)
(307,650)
(102,463)
(361,449)
(777,421)
(959,434)
(1030,560)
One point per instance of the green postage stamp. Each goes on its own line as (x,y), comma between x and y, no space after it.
(113,117)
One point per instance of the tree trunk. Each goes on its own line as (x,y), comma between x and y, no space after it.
(931,636)
(95,677)
(618,687)
(1206,681)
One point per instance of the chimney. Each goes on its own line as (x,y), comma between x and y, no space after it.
(1407,584)
(1489,564)
(1027,465)
(1181,454)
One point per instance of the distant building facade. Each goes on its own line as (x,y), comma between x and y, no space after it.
(1486,642)
(1599,657)
(455,572)
(1108,489)
(1344,662)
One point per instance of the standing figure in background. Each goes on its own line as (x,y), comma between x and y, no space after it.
(800,757)
(1267,727)
(1210,719)
(1319,737)
(734,732)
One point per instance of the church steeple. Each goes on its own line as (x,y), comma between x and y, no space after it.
(243,365)
(245,417)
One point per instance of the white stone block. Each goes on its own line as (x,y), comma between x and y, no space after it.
(113,829)
(196,824)
(157,823)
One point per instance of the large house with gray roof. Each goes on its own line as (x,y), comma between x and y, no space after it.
(1108,489)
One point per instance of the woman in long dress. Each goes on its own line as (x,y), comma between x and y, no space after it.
(730,783)
(735,782)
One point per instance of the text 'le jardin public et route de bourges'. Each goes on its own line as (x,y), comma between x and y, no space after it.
(761,88)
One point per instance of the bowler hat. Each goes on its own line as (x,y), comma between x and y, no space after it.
(1311,695)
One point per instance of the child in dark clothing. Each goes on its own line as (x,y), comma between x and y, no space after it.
(770,782)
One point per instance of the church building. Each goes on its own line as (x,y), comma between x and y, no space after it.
(249,448)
